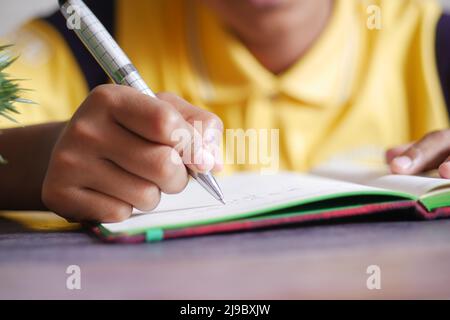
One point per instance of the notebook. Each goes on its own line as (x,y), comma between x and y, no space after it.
(256,201)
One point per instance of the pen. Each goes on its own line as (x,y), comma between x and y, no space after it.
(117,65)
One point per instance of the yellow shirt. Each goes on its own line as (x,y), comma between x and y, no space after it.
(354,87)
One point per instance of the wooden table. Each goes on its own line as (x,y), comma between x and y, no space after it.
(322,261)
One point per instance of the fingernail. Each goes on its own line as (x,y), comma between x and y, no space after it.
(444,170)
(219,165)
(403,162)
(207,161)
(212,144)
(209,137)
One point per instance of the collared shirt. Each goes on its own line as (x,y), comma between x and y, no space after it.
(356,86)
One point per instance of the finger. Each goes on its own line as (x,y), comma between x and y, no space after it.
(158,163)
(192,113)
(444,169)
(153,119)
(154,162)
(424,155)
(84,205)
(106,177)
(205,123)
(392,153)
(99,175)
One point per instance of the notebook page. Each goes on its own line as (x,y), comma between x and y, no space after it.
(244,193)
(380,177)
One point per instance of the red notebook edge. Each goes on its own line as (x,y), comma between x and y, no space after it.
(414,209)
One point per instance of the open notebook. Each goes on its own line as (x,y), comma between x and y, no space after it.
(257,201)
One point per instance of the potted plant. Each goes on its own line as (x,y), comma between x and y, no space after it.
(9,90)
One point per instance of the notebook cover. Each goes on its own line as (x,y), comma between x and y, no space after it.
(409,208)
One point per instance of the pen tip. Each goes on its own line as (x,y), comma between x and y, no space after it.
(223,201)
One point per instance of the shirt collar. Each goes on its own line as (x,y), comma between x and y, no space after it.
(323,76)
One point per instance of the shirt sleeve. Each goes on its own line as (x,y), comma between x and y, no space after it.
(51,75)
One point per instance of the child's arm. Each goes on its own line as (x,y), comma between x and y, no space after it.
(27,150)
(119,151)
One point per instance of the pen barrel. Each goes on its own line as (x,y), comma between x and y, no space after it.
(102,45)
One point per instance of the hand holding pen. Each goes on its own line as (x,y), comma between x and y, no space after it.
(118,153)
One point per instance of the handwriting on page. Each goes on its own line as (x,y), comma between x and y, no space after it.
(246,194)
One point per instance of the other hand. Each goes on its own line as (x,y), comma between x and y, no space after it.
(431,152)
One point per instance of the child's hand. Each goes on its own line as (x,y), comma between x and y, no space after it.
(432,152)
(118,152)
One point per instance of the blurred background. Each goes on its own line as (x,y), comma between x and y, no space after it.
(14,12)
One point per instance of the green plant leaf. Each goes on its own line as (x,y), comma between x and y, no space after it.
(9,90)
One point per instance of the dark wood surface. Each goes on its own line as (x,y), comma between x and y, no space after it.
(322,261)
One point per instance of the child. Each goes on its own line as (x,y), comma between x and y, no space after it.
(330,75)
